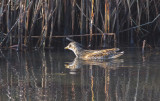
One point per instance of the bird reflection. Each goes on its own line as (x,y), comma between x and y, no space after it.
(78,63)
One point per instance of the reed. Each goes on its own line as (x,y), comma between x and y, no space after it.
(131,20)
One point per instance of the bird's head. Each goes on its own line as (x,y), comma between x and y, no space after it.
(72,46)
(75,47)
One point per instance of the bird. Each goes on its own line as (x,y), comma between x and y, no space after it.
(85,54)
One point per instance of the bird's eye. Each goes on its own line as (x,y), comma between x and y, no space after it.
(69,45)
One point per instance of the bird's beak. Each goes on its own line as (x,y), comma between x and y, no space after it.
(66,66)
(66,47)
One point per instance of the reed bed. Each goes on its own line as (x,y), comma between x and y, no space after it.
(132,20)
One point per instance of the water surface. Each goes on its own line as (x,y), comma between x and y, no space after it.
(58,76)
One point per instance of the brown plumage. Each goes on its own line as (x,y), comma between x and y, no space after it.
(93,54)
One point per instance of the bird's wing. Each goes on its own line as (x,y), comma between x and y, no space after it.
(99,53)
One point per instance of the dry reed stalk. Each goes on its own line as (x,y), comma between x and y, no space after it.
(1,8)
(84,35)
(46,22)
(1,17)
(13,26)
(129,15)
(73,15)
(82,18)
(151,22)
(87,14)
(147,9)
(8,19)
(91,22)
(27,21)
(106,27)
(52,24)
(12,21)
(113,20)
(138,14)
(1,13)
(143,46)
(157,6)
(51,31)
(117,17)
(59,13)
(48,17)
(106,23)
(81,22)
(5,38)
(52,27)
(20,27)
(36,12)
(97,6)
(43,26)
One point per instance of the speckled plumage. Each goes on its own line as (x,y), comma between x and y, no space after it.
(93,54)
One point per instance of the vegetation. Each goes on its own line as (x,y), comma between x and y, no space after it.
(36,23)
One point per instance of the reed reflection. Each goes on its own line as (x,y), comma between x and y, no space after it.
(106,65)
(42,76)
(120,80)
(28,75)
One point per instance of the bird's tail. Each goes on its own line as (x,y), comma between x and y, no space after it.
(118,54)
(116,49)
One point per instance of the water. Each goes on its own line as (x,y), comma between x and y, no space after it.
(57,76)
